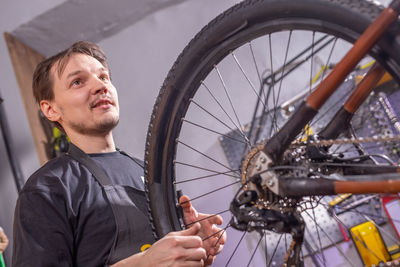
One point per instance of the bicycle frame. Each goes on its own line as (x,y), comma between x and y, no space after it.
(276,146)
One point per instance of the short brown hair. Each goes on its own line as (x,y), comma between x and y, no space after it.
(42,83)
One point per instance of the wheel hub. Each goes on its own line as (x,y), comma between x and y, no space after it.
(258,176)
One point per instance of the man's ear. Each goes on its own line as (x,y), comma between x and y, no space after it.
(50,110)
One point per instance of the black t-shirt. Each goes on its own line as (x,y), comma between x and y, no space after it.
(62,217)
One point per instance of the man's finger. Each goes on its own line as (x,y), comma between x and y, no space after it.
(213,219)
(193,230)
(195,263)
(185,203)
(216,249)
(3,237)
(210,260)
(194,254)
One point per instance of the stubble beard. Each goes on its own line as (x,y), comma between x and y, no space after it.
(100,128)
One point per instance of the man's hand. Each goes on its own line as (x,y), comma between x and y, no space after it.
(183,248)
(196,246)
(3,240)
(213,237)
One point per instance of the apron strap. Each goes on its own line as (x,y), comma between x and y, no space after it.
(137,161)
(89,163)
(129,207)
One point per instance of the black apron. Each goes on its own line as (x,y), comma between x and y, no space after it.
(129,206)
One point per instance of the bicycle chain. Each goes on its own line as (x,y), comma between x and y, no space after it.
(288,252)
(329,142)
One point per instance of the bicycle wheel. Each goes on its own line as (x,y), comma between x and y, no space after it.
(233,87)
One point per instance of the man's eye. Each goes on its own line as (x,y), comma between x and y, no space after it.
(76,82)
(104,78)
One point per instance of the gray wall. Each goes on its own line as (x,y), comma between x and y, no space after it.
(140,57)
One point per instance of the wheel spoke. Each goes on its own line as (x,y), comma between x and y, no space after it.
(275,249)
(272,85)
(213,131)
(204,177)
(237,246)
(209,170)
(213,191)
(220,121)
(367,218)
(203,219)
(363,213)
(254,251)
(331,240)
(329,110)
(214,234)
(257,70)
(328,61)
(204,155)
(382,230)
(249,81)
(276,100)
(366,246)
(319,238)
(313,253)
(312,62)
(229,98)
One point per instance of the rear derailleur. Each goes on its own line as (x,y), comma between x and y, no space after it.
(248,216)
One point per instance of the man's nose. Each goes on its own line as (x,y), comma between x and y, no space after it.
(98,86)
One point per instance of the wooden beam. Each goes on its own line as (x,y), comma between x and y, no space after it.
(24,60)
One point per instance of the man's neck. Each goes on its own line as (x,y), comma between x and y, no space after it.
(93,143)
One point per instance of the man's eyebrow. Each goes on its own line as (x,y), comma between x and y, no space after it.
(104,69)
(80,71)
(73,73)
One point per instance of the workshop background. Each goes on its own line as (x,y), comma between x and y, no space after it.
(142,39)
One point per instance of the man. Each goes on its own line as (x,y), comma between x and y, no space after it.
(87,207)
(3,246)
(3,241)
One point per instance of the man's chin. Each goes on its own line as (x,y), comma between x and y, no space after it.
(103,127)
(107,125)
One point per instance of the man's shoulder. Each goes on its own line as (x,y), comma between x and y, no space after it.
(55,166)
(54,173)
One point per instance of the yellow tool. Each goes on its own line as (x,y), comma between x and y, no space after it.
(369,243)
(340,198)
(394,251)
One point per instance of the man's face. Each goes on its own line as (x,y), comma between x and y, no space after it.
(85,101)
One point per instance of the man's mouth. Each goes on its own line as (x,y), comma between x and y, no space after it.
(101,102)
